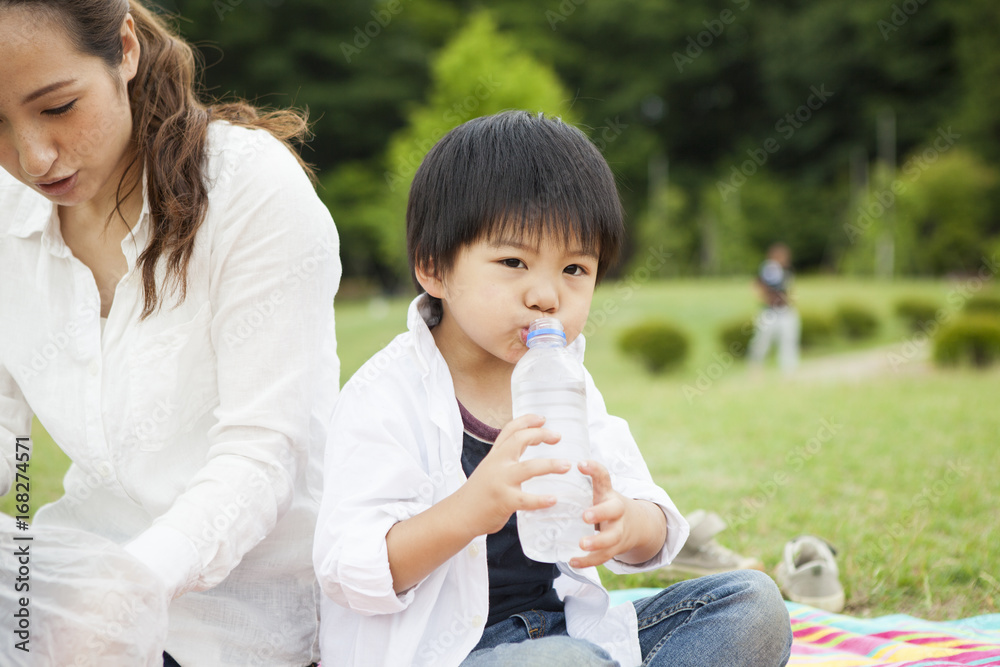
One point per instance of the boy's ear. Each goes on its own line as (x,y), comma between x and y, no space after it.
(428,278)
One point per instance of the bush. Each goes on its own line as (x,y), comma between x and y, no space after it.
(983,304)
(659,346)
(855,321)
(736,335)
(973,339)
(917,312)
(816,329)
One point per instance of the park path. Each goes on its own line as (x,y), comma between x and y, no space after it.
(908,357)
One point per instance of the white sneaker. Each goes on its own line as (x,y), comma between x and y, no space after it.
(702,555)
(808,574)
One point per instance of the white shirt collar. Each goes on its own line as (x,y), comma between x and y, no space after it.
(37,215)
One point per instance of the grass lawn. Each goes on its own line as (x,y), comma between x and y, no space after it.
(897,470)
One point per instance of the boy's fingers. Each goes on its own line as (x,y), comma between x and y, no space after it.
(591,560)
(536,467)
(606,539)
(601,548)
(520,440)
(522,422)
(599,477)
(609,510)
(534,501)
(598,474)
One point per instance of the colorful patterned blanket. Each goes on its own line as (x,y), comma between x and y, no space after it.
(835,640)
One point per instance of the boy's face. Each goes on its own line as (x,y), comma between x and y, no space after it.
(495,289)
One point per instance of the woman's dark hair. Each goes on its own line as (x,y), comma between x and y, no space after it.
(169,125)
(513,174)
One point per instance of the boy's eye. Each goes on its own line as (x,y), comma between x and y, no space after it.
(512,262)
(575,270)
(60,110)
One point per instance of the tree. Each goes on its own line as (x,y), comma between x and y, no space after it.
(479,72)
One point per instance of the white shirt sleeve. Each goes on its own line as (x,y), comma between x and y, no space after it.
(169,554)
(275,268)
(15,421)
(373,479)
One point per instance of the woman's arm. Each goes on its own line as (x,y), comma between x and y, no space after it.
(274,271)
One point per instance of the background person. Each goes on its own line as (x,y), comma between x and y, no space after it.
(168,276)
(778,322)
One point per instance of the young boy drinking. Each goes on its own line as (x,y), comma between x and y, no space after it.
(511,217)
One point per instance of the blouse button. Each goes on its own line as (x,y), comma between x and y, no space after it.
(93,367)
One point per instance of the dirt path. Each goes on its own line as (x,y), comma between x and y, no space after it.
(901,358)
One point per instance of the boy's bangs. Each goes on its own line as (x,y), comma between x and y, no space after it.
(554,183)
(528,225)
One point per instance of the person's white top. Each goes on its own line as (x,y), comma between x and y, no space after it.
(195,435)
(395,449)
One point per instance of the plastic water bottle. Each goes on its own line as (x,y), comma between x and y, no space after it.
(548,381)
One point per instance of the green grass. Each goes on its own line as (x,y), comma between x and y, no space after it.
(903,481)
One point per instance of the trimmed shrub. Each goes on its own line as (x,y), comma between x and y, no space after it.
(855,321)
(736,335)
(658,345)
(973,340)
(917,312)
(817,329)
(983,304)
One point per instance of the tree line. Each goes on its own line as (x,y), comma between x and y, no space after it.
(862,133)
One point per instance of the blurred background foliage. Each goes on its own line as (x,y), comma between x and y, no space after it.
(864,133)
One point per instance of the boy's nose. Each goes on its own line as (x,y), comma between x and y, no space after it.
(542,296)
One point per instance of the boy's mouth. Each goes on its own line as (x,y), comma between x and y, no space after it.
(524,335)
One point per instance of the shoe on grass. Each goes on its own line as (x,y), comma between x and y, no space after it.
(702,555)
(808,574)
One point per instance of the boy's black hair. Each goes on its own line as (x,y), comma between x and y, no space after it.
(513,173)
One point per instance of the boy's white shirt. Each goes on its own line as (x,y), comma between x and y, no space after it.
(395,450)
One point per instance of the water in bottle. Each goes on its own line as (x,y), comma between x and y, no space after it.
(548,381)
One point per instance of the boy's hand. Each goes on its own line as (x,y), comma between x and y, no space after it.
(493,492)
(632,530)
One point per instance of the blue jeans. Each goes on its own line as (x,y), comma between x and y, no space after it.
(736,619)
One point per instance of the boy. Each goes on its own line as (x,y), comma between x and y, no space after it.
(511,217)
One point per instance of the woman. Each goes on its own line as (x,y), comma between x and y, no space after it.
(167,276)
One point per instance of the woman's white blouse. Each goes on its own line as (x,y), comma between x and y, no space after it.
(196,435)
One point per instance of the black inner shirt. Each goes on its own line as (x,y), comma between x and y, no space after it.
(517,583)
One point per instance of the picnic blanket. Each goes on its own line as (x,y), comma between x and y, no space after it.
(823,639)
(835,640)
